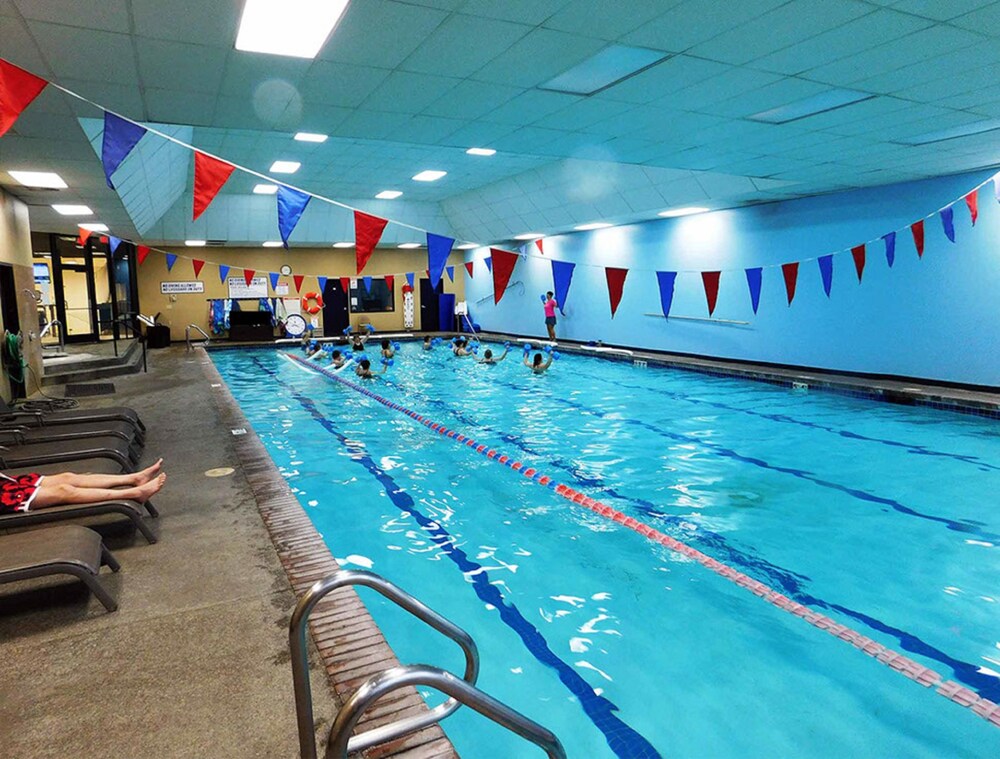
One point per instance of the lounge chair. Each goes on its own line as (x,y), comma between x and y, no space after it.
(66,549)
(71,416)
(76,431)
(16,452)
(130,509)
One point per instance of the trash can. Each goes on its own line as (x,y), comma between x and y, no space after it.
(158,336)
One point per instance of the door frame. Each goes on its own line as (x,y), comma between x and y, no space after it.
(87,268)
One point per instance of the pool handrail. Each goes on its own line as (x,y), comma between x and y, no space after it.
(187,336)
(376,686)
(300,663)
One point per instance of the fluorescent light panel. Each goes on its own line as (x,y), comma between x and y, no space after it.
(195,243)
(343,245)
(604,69)
(592,225)
(830,100)
(272,244)
(429,176)
(95,227)
(408,245)
(41,179)
(468,246)
(966,130)
(311,137)
(529,236)
(388,194)
(296,28)
(686,211)
(481,151)
(285,167)
(71,210)
(265,189)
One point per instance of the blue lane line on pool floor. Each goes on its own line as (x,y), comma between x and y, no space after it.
(623,740)
(965,672)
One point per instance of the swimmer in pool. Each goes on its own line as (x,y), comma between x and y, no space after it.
(358,342)
(337,360)
(315,352)
(462,348)
(489,358)
(364,369)
(387,350)
(538,365)
(428,345)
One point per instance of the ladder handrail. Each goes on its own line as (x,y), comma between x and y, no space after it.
(300,662)
(187,335)
(459,690)
(62,334)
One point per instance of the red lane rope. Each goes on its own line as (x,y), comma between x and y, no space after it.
(896,661)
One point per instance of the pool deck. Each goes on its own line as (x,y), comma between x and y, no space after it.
(195,662)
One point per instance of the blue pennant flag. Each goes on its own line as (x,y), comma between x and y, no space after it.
(890,248)
(409,278)
(291,204)
(438,250)
(368,284)
(322,284)
(120,136)
(113,243)
(274,279)
(562,277)
(666,280)
(754,278)
(489,263)
(948,222)
(171,260)
(223,273)
(826,271)
(451,272)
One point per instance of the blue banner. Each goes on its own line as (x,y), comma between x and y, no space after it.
(754,278)
(451,272)
(291,204)
(890,248)
(409,278)
(322,284)
(562,278)
(948,222)
(223,273)
(113,243)
(489,264)
(120,136)
(438,250)
(666,281)
(826,271)
(274,279)
(368,284)
(171,260)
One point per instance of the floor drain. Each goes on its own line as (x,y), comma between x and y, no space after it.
(239,431)
(222,471)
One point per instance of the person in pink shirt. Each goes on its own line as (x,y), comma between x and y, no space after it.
(550,314)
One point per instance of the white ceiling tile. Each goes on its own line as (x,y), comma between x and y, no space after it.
(178,66)
(782,92)
(985,18)
(537,57)
(478,133)
(70,52)
(531,12)
(406,92)
(526,139)
(728,84)
(470,100)
(177,106)
(694,21)
(107,15)
(463,44)
(529,106)
(664,78)
(607,20)
(380,33)
(203,23)
(583,113)
(341,84)
(941,11)
(244,73)
(429,129)
(121,98)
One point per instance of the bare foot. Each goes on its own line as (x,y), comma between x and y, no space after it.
(148,473)
(148,489)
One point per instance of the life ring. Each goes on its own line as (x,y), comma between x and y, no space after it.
(312,309)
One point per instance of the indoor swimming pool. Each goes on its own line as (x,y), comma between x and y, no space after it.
(881,517)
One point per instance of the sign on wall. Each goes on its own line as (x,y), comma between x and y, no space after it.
(238,287)
(169,288)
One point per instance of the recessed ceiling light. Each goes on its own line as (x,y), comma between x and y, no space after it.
(297,29)
(310,137)
(429,176)
(468,246)
(195,243)
(529,236)
(70,210)
(343,245)
(41,179)
(95,226)
(821,103)
(285,167)
(481,151)
(272,244)
(604,69)
(388,194)
(687,211)
(408,245)
(592,225)
(265,189)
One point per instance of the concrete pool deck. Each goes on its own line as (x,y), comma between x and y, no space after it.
(195,663)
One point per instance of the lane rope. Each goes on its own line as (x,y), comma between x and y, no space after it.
(894,660)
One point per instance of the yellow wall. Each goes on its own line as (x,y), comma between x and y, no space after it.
(15,249)
(179,310)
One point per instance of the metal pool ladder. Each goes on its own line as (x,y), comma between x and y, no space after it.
(459,690)
(187,336)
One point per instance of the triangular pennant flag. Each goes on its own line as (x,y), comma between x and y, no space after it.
(710,279)
(223,273)
(616,284)
(790,272)
(489,263)
(826,272)
(504,267)
(120,136)
(367,232)
(666,281)
(890,248)
(196,264)
(469,267)
(948,222)
(113,243)
(754,277)
(171,260)
(17,89)
(103,239)
(858,254)
(438,250)
(297,278)
(368,284)
(390,282)
(538,244)
(209,176)
(345,284)
(248,276)
(273,276)
(141,252)
(972,201)
(996,187)
(451,272)
(291,204)
(84,235)
(562,277)
(322,284)
(410,278)
(917,228)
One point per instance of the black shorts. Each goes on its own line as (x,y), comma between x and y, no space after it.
(550,321)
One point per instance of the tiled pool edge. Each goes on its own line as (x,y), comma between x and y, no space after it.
(350,644)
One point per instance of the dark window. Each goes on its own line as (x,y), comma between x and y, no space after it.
(378,298)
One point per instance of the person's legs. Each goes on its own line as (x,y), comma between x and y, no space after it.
(552,330)
(106,480)
(58,493)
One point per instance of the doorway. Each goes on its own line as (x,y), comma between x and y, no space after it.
(336,316)
(430,311)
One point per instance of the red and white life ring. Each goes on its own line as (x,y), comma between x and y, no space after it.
(314,307)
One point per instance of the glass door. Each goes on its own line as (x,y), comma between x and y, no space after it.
(73,287)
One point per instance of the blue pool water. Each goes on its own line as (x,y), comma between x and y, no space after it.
(884,517)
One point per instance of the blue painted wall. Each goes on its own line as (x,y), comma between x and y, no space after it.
(936,317)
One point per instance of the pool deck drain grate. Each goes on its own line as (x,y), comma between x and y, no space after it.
(89,389)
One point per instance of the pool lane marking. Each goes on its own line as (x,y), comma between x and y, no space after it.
(925,676)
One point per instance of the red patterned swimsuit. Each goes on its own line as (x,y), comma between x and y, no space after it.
(17,493)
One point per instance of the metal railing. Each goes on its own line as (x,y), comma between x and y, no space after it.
(187,336)
(62,335)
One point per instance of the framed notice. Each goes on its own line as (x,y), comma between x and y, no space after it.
(238,287)
(171,288)
(281,289)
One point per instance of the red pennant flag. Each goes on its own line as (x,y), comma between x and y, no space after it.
(209,176)
(427,273)
(858,253)
(248,276)
(917,228)
(17,89)
(710,279)
(468,268)
(84,235)
(538,244)
(791,274)
(103,239)
(197,266)
(972,201)
(503,267)
(367,232)
(298,282)
(390,280)
(141,252)
(345,284)
(616,283)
